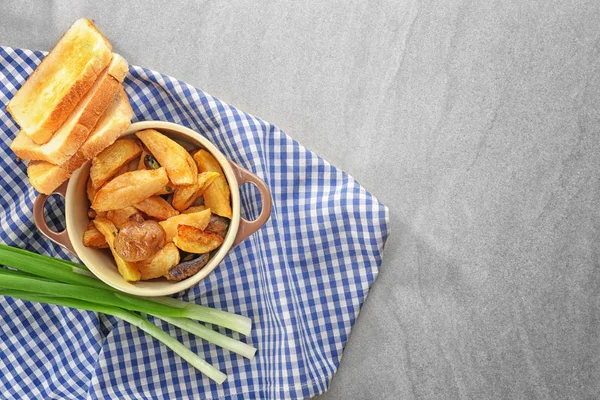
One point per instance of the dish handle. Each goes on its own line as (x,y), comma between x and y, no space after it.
(247,228)
(60,238)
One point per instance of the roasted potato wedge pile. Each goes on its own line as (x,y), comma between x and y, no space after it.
(152,203)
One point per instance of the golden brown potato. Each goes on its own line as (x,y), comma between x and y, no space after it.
(121,215)
(193,209)
(187,268)
(217,196)
(91,192)
(161,263)
(168,189)
(198,220)
(139,240)
(110,160)
(180,166)
(129,271)
(129,189)
(218,225)
(205,179)
(194,240)
(156,207)
(185,196)
(141,164)
(92,237)
(133,164)
(124,168)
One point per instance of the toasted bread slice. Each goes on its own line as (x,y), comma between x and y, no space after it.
(77,127)
(45,177)
(62,79)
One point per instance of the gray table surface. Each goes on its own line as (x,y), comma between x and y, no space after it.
(475,123)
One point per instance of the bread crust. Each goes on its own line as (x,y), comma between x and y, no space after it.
(42,131)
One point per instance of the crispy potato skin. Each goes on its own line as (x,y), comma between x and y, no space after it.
(218,225)
(139,240)
(112,160)
(187,268)
(129,189)
(217,196)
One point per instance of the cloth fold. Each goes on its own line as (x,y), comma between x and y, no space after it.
(302,278)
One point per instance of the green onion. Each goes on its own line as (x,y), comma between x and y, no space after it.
(69,272)
(133,319)
(55,281)
(5,247)
(209,335)
(235,322)
(100,296)
(46,267)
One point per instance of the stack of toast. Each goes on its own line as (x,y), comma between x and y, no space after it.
(71,107)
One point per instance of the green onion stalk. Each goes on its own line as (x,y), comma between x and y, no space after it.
(134,319)
(69,272)
(45,279)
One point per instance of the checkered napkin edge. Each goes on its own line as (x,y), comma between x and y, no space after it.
(302,278)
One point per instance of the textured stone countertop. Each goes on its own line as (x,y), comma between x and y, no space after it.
(475,123)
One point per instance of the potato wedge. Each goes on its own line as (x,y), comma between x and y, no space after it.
(193,209)
(92,237)
(91,192)
(180,166)
(93,214)
(185,196)
(124,168)
(168,189)
(205,179)
(187,268)
(157,207)
(194,240)
(160,264)
(217,196)
(218,225)
(133,164)
(129,189)
(199,202)
(110,160)
(141,164)
(129,271)
(198,220)
(121,215)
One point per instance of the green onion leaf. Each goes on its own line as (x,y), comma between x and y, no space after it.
(142,323)
(214,337)
(68,272)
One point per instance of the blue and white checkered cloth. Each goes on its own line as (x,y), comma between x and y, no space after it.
(302,278)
